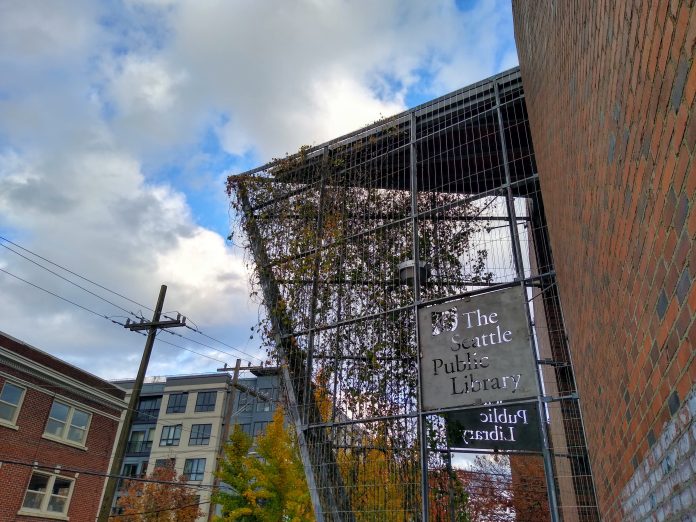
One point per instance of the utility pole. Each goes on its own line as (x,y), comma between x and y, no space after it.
(151,327)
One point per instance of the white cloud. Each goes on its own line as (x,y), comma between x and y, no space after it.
(145,85)
(118,229)
(97,98)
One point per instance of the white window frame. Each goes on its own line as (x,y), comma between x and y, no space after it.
(12,423)
(63,439)
(43,511)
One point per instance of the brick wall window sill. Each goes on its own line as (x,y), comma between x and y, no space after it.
(63,441)
(5,424)
(42,514)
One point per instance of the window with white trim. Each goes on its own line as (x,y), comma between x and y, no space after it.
(47,494)
(67,423)
(11,398)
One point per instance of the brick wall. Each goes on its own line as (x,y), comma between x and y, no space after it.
(27,445)
(610,91)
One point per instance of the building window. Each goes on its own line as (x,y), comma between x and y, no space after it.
(200,435)
(165,463)
(47,494)
(246,428)
(11,398)
(259,428)
(262,405)
(67,423)
(177,402)
(194,468)
(129,470)
(148,409)
(245,404)
(170,435)
(205,401)
(140,441)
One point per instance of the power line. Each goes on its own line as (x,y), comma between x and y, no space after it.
(69,281)
(196,329)
(162,510)
(75,274)
(84,471)
(212,347)
(109,318)
(60,297)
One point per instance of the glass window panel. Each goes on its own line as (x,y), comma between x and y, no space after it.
(57,504)
(36,490)
(259,428)
(262,405)
(11,393)
(55,427)
(76,434)
(205,401)
(61,487)
(194,469)
(59,411)
(80,419)
(177,402)
(170,435)
(38,482)
(32,500)
(200,434)
(130,470)
(7,412)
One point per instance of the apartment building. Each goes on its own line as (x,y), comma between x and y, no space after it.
(58,425)
(182,421)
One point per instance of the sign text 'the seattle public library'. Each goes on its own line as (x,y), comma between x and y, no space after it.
(477,350)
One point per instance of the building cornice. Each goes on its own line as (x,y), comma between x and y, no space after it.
(26,365)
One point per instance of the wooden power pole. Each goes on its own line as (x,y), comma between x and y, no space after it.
(151,327)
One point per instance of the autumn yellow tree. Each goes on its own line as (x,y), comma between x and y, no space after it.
(268,484)
(165,499)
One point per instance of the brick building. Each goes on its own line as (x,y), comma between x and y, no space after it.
(57,423)
(610,90)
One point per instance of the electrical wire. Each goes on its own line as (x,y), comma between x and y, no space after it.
(109,318)
(75,274)
(71,282)
(161,510)
(196,329)
(60,297)
(86,471)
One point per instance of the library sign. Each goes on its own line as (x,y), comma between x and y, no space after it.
(477,350)
(496,427)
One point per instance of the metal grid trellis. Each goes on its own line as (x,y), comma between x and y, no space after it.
(349,240)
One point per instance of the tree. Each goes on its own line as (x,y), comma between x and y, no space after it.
(268,485)
(167,500)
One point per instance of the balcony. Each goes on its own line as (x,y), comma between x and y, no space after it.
(138,447)
(149,415)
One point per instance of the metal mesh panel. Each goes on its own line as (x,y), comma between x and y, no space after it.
(349,240)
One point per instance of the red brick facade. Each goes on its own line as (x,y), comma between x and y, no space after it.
(43,378)
(610,90)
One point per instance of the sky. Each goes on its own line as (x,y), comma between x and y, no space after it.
(121,120)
